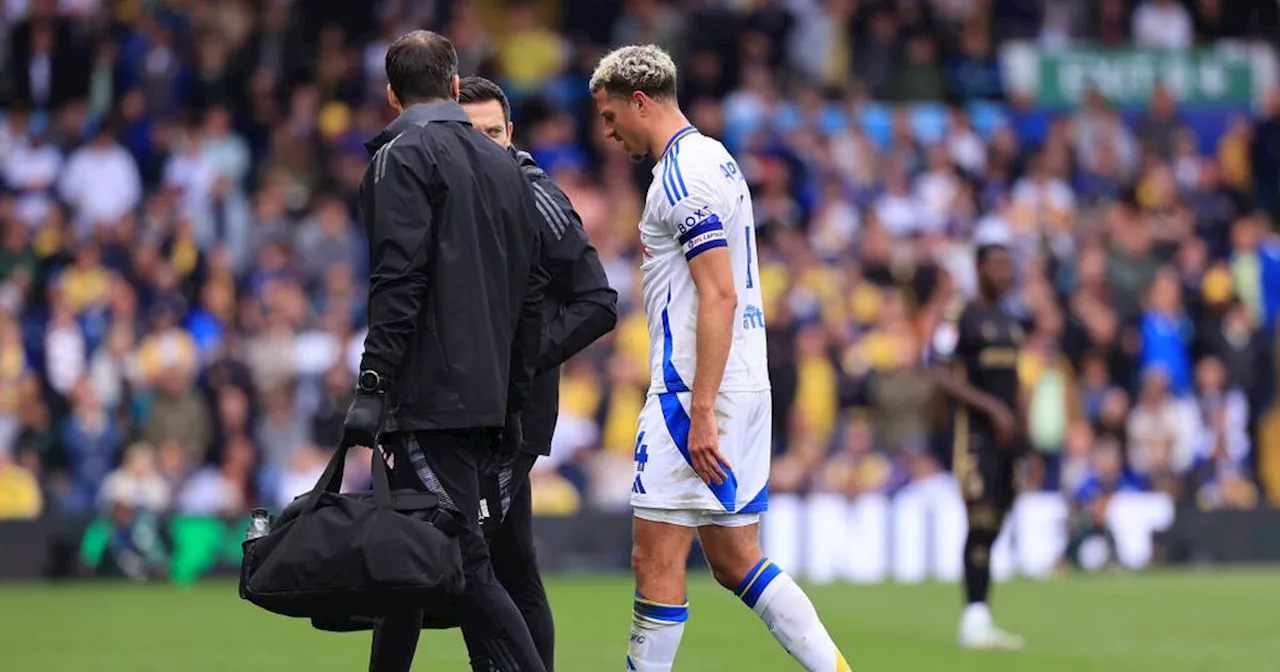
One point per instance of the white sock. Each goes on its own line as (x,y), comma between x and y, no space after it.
(656,630)
(977,616)
(790,616)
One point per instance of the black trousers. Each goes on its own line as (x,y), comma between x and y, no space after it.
(448,464)
(515,560)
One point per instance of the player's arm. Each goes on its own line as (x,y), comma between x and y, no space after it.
(702,239)
(400,228)
(949,347)
(591,307)
(717,303)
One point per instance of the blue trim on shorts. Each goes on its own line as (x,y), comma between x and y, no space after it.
(678,423)
(759,503)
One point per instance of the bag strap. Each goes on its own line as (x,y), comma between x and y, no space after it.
(331,479)
(447,522)
(381,480)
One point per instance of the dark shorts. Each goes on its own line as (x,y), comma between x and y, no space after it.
(984,472)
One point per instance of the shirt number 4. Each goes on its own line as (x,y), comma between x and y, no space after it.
(642,458)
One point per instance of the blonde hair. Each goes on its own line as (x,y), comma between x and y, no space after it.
(647,68)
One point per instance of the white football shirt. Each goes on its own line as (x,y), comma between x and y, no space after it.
(699,201)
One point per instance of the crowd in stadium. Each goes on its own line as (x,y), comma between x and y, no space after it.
(181,271)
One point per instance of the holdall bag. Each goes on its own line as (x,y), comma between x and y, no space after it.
(335,556)
(443,615)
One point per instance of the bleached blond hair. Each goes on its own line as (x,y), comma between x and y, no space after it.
(645,67)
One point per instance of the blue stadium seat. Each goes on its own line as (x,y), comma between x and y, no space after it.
(987,116)
(876,120)
(928,122)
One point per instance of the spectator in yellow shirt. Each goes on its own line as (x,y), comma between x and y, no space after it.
(20,497)
(167,346)
(817,384)
(87,283)
(530,53)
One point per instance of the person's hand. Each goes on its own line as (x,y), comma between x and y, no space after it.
(364,419)
(704,448)
(1006,425)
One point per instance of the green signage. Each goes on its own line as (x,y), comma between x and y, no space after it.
(184,548)
(1129,76)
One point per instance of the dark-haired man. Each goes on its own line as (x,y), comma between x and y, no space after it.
(974,359)
(454,329)
(578,307)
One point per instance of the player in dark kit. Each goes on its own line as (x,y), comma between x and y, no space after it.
(975,363)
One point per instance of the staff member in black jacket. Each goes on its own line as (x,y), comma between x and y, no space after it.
(578,307)
(454,327)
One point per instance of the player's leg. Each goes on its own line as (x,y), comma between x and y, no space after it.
(395,641)
(515,561)
(732,541)
(447,464)
(662,535)
(661,540)
(986,479)
(732,548)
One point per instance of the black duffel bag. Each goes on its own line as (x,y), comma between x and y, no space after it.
(362,555)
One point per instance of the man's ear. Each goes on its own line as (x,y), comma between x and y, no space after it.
(511,131)
(455,88)
(393,101)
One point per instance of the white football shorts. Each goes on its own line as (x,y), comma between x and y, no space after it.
(664,480)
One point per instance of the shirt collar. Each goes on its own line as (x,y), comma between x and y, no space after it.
(679,135)
(675,139)
(420,114)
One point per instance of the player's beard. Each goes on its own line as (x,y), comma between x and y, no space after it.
(637,158)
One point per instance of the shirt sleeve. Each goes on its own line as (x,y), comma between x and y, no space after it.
(589,304)
(697,209)
(400,228)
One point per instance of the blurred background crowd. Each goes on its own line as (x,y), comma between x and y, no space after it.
(182,273)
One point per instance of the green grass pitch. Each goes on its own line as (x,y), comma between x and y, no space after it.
(1162,622)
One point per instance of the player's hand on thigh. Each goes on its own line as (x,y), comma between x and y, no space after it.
(704,448)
